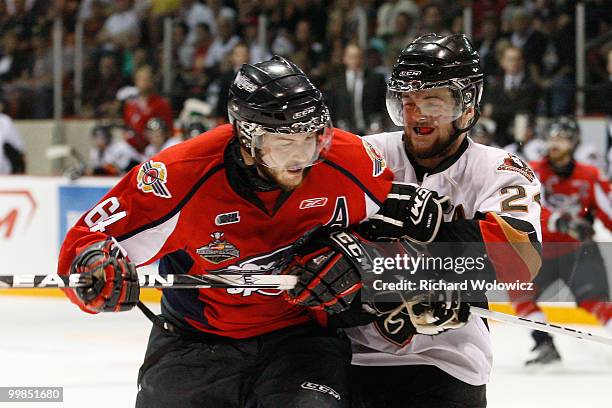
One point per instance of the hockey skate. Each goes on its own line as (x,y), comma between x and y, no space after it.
(544,353)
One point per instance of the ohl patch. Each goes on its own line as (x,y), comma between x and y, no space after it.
(152,177)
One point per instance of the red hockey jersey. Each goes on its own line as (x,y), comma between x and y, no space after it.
(584,193)
(189,202)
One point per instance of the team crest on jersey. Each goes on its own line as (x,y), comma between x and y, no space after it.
(152,177)
(514,164)
(219,250)
(377,159)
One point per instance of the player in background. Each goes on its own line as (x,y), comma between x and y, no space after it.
(242,197)
(574,194)
(108,158)
(159,136)
(436,357)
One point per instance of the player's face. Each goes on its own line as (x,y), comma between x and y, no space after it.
(559,148)
(428,117)
(284,157)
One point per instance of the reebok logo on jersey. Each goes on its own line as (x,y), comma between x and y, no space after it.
(227,218)
(152,177)
(321,388)
(515,164)
(377,159)
(313,202)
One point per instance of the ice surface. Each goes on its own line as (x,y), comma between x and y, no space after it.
(49,342)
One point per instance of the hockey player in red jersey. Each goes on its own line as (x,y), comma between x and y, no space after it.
(238,197)
(573,195)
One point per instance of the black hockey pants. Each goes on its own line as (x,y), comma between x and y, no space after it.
(297,367)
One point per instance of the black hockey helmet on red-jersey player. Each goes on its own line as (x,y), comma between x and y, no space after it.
(564,127)
(434,61)
(273,99)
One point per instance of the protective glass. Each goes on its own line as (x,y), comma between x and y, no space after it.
(291,151)
(433,106)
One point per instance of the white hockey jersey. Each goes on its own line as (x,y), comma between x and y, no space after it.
(479,179)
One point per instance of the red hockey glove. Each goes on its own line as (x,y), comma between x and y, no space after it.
(411,212)
(111,281)
(329,272)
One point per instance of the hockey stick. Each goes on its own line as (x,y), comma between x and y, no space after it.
(545,327)
(179,281)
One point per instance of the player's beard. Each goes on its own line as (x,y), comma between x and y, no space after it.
(430,145)
(285,179)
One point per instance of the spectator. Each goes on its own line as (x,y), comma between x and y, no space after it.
(357,96)
(402,35)
(93,19)
(122,27)
(146,105)
(239,56)
(258,51)
(308,53)
(514,92)
(201,48)
(193,13)
(183,51)
(554,73)
(159,137)
(223,44)
(386,16)
(607,87)
(37,84)
(108,158)
(486,45)
(12,149)
(523,36)
(101,86)
(432,21)
(13,62)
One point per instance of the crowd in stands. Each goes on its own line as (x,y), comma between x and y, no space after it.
(346,46)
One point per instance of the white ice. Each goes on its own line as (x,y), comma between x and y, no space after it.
(49,342)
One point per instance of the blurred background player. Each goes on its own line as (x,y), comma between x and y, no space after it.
(159,137)
(574,194)
(527,145)
(108,158)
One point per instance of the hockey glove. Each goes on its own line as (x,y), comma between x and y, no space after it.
(328,272)
(110,282)
(411,212)
(437,311)
(575,226)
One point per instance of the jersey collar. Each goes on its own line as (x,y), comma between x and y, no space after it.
(420,171)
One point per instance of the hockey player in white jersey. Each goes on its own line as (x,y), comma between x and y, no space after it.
(434,94)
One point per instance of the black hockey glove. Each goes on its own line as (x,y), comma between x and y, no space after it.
(428,313)
(411,212)
(109,278)
(329,271)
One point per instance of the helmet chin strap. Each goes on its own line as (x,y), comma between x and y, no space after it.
(457,131)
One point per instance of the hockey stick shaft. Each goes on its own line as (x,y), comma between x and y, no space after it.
(178,281)
(533,324)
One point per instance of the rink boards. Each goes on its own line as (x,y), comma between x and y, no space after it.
(36,212)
